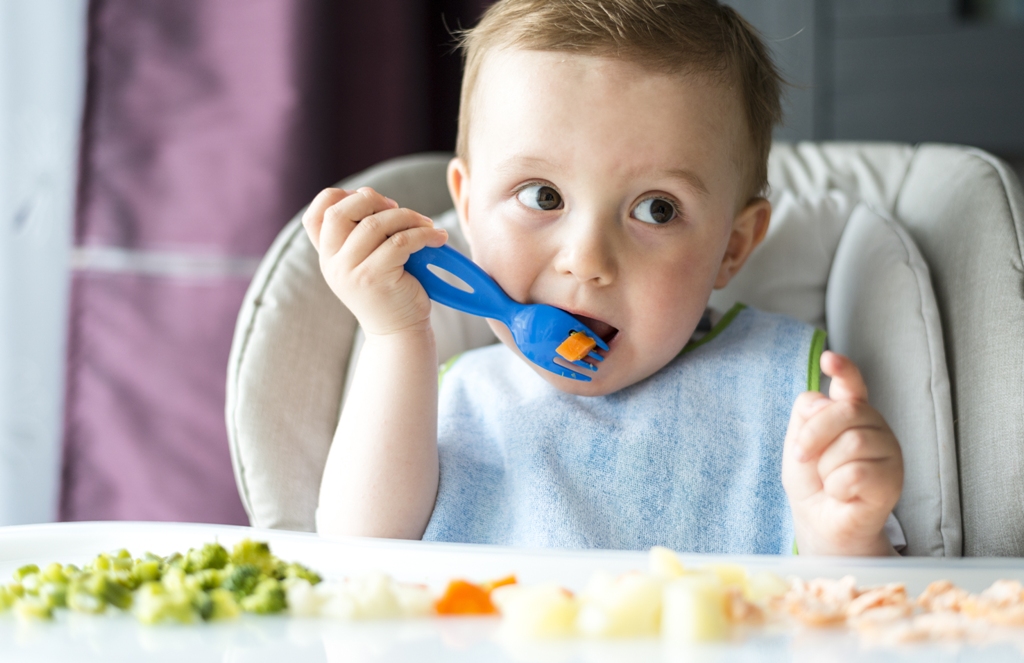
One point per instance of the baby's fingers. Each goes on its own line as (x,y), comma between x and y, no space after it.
(376,230)
(829,422)
(341,218)
(800,477)
(395,251)
(857,444)
(873,482)
(313,217)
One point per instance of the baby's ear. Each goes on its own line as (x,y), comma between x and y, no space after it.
(458,187)
(748,230)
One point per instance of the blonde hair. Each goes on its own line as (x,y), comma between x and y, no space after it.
(699,37)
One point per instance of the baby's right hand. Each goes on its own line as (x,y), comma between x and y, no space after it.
(364,240)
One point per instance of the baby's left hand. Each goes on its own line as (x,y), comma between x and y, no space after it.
(841,467)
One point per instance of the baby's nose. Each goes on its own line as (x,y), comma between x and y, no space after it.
(587,253)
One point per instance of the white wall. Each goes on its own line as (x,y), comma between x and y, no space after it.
(42,74)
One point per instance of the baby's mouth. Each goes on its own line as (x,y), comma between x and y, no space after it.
(599,327)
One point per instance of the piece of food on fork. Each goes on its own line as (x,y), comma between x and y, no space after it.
(577,346)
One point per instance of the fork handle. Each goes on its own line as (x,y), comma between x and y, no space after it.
(487,300)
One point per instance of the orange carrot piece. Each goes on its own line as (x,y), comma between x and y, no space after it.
(464,598)
(576,346)
(500,582)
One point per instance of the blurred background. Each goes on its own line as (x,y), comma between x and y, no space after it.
(150,151)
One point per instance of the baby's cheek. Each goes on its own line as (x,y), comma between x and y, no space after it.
(668,321)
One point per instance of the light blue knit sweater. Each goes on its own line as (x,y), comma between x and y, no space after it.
(689,458)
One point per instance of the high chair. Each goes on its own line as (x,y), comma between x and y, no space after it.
(910,257)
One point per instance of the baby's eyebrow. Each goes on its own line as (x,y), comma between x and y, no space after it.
(521,161)
(690,178)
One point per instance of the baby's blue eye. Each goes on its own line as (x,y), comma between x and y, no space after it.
(540,197)
(655,210)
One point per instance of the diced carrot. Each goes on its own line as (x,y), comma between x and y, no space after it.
(464,598)
(500,582)
(576,346)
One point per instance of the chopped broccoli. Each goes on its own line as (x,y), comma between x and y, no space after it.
(256,553)
(210,556)
(224,605)
(203,605)
(100,586)
(6,598)
(54,594)
(30,583)
(267,598)
(27,570)
(295,570)
(126,578)
(204,580)
(208,583)
(54,573)
(173,560)
(33,607)
(155,603)
(146,570)
(80,600)
(241,580)
(173,578)
(116,594)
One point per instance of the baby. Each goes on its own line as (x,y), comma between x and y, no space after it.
(611,161)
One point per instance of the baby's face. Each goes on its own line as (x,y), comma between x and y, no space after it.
(608,191)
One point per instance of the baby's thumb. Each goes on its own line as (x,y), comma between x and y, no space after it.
(847,382)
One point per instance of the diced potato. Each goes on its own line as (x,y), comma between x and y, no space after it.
(338,603)
(764,585)
(694,609)
(303,600)
(729,574)
(414,600)
(535,612)
(374,597)
(663,562)
(624,607)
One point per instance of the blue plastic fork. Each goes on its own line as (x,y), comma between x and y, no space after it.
(537,329)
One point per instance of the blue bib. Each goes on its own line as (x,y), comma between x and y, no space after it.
(689,458)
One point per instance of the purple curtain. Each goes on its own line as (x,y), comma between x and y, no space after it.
(208,124)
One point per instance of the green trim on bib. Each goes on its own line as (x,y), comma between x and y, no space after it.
(814,361)
(446,366)
(716,330)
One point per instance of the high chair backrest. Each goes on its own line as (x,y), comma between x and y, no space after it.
(909,256)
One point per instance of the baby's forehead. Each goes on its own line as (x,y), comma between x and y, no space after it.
(543,101)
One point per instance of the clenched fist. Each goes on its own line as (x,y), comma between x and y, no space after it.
(841,467)
(364,240)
